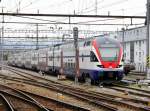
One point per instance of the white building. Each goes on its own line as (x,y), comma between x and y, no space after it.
(134,46)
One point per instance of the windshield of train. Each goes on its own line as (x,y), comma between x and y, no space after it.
(109,53)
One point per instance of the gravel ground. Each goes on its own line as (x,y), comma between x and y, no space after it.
(49,93)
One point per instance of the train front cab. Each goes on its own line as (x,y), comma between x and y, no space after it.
(108,53)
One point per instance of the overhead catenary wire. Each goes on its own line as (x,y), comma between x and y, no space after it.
(21,8)
(87,10)
(91,6)
(104,24)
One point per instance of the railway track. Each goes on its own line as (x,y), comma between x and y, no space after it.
(44,103)
(106,106)
(103,100)
(20,103)
(133,91)
(4,104)
(18,94)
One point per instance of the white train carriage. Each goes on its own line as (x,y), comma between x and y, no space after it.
(34,59)
(19,62)
(27,61)
(68,57)
(56,58)
(100,59)
(15,59)
(50,59)
(11,60)
(42,59)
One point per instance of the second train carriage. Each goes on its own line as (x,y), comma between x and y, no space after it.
(100,59)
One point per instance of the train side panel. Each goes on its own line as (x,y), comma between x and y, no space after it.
(28,60)
(34,59)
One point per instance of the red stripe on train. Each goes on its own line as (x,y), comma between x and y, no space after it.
(107,64)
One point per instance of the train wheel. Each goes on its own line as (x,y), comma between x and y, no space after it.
(92,82)
(82,78)
(119,78)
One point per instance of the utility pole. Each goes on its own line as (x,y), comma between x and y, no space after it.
(2,35)
(95,7)
(148,41)
(37,36)
(75,35)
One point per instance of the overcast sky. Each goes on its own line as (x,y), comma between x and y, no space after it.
(113,7)
(128,7)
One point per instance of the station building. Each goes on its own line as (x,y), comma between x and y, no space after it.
(134,46)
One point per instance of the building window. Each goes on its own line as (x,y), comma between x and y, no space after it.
(124,46)
(50,58)
(137,32)
(124,55)
(58,58)
(136,53)
(140,44)
(139,56)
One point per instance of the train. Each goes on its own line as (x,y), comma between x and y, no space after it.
(100,59)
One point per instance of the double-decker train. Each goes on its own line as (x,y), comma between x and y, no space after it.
(100,59)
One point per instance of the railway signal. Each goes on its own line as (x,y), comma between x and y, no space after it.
(75,35)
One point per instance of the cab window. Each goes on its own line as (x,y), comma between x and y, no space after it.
(93,57)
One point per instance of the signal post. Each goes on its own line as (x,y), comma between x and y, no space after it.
(75,35)
(148,41)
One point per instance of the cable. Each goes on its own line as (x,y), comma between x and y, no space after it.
(105,6)
(36,19)
(91,6)
(31,3)
(97,20)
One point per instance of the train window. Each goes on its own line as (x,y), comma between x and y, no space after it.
(82,57)
(74,65)
(84,44)
(81,44)
(93,58)
(71,65)
(66,64)
(88,43)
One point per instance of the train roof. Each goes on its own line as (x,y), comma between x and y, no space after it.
(101,39)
